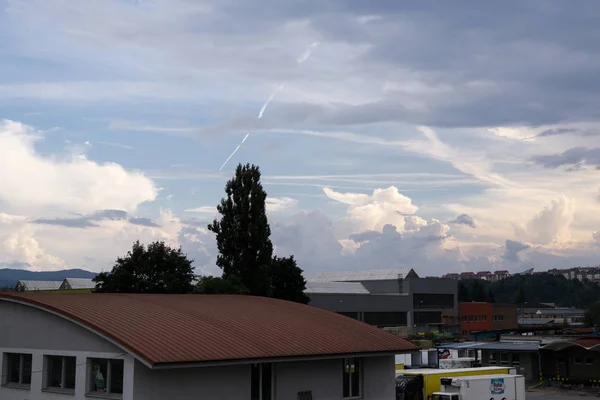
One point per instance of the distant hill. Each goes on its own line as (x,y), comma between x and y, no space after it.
(10,277)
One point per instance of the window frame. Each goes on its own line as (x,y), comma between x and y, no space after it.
(590,359)
(108,379)
(6,365)
(578,360)
(493,360)
(261,394)
(358,370)
(517,362)
(63,374)
(503,355)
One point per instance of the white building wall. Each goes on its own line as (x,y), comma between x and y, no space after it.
(324,379)
(36,391)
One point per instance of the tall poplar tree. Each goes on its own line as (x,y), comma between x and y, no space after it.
(243,232)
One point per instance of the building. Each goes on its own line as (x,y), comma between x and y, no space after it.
(146,347)
(481,317)
(34,286)
(521,355)
(386,298)
(482,275)
(591,274)
(77,284)
(572,361)
(560,316)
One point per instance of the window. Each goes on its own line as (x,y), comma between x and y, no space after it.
(493,360)
(477,318)
(105,376)
(516,360)
(484,318)
(495,318)
(470,318)
(589,361)
(500,317)
(464,318)
(59,373)
(578,360)
(17,369)
(351,380)
(503,358)
(261,382)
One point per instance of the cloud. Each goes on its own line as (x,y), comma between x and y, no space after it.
(72,184)
(576,156)
(144,222)
(90,221)
(553,223)
(372,212)
(464,219)
(512,250)
(203,210)
(276,204)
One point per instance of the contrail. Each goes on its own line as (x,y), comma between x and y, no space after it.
(305,56)
(229,158)
(264,107)
(307,53)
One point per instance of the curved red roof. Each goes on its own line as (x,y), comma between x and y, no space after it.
(161,329)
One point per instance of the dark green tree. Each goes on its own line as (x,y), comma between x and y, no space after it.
(489,296)
(520,295)
(156,269)
(287,282)
(243,232)
(219,285)
(463,292)
(478,291)
(592,315)
(244,244)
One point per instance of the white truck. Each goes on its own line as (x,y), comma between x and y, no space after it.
(482,387)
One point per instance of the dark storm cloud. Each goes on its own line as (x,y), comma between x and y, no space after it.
(464,219)
(512,250)
(144,222)
(89,221)
(576,157)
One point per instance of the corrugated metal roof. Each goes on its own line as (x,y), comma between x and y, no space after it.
(40,285)
(335,288)
(80,283)
(535,321)
(589,343)
(560,311)
(509,346)
(358,276)
(208,328)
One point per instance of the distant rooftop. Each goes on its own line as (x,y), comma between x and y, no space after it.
(79,283)
(39,285)
(358,276)
(335,288)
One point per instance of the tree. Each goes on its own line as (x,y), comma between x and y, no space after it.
(489,296)
(287,282)
(244,244)
(243,232)
(520,295)
(218,285)
(478,291)
(156,269)
(463,292)
(592,315)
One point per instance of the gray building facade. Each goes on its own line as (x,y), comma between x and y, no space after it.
(386,298)
(46,355)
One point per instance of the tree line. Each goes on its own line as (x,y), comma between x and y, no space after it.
(538,288)
(245,254)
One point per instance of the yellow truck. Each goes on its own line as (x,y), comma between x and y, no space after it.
(420,384)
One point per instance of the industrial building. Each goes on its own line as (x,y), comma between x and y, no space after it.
(386,298)
(150,346)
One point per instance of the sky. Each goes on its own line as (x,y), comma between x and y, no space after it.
(440,136)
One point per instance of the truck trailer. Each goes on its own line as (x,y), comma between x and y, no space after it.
(420,384)
(487,387)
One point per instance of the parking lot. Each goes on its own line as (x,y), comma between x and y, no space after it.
(553,394)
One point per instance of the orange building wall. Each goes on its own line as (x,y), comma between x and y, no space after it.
(486,317)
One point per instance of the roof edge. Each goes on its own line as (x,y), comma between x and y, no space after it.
(215,363)
(76,321)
